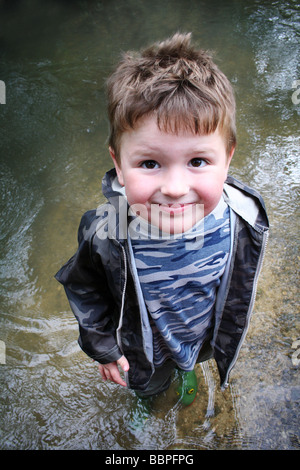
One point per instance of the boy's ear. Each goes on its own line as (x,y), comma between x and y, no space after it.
(230,156)
(117,166)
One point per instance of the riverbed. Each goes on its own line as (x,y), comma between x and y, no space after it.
(55,57)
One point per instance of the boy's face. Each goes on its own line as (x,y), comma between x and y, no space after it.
(171,180)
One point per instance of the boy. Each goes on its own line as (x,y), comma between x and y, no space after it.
(172,282)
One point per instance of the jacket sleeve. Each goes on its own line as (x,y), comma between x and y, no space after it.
(90,298)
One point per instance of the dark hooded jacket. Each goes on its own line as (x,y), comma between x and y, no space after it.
(103,290)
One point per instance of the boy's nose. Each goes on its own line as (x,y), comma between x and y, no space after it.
(175,185)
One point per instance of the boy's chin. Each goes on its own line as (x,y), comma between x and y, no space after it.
(179,224)
(169,220)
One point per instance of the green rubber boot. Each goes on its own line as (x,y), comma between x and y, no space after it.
(188,387)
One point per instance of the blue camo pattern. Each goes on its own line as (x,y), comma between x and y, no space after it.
(179,286)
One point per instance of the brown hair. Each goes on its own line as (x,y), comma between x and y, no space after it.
(179,84)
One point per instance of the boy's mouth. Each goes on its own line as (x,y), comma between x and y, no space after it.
(175,208)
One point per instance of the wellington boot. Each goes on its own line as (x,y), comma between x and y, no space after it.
(188,387)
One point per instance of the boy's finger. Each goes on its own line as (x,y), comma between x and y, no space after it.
(123,363)
(116,377)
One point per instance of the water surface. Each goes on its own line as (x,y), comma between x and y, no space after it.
(55,57)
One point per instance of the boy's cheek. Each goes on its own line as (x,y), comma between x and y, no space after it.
(137,192)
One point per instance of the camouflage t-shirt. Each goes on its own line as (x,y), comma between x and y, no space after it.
(179,278)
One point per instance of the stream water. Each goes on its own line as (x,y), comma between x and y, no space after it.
(54,58)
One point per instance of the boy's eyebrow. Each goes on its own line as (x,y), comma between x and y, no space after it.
(150,149)
(141,152)
(147,148)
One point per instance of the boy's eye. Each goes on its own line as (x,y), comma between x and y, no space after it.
(197,162)
(149,164)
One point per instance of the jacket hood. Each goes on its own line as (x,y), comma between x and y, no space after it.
(117,207)
(111,187)
(247,203)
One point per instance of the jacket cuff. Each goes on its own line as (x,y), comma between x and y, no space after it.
(109,356)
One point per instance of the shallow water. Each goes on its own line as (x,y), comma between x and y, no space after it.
(54,60)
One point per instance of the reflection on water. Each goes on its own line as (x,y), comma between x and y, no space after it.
(54,60)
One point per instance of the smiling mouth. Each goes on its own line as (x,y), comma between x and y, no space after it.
(175,208)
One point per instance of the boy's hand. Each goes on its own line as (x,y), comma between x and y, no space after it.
(111,372)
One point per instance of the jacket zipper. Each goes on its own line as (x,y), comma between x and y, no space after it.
(250,310)
(118,333)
